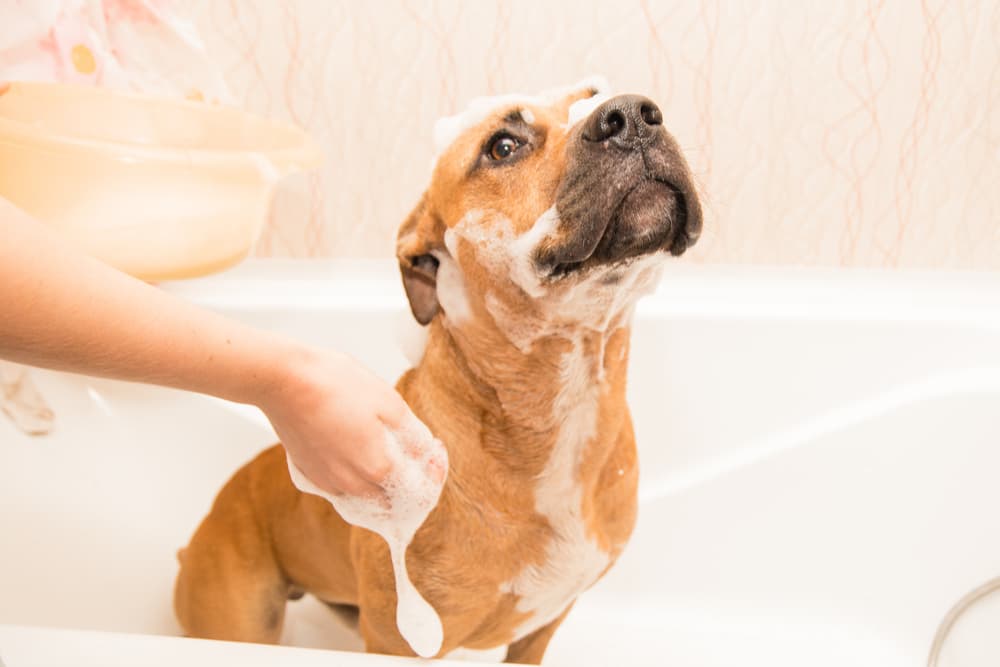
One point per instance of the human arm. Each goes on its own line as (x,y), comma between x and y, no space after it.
(61,309)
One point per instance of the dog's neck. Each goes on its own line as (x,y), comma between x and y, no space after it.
(566,392)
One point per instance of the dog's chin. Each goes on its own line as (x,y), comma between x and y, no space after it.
(644,223)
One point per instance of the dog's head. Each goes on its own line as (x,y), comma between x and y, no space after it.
(553,209)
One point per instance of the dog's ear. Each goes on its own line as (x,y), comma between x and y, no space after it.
(419,237)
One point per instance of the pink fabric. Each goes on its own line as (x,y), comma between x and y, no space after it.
(125,44)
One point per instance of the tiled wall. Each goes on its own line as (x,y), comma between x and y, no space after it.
(838,133)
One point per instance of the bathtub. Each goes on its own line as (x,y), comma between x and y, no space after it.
(820,455)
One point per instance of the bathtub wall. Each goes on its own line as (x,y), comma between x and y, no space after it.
(857,133)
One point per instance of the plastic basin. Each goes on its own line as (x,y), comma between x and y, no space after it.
(159,188)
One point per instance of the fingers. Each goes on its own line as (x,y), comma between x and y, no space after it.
(393,410)
(352,434)
(355,487)
(339,480)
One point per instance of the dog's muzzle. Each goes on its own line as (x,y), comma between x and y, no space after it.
(626,191)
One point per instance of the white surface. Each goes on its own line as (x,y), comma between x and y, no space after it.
(818,452)
(974,640)
(23,646)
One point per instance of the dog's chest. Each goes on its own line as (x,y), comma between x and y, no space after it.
(572,564)
(572,561)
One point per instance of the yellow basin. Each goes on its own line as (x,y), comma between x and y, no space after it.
(161,189)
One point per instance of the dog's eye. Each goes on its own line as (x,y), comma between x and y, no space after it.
(503,147)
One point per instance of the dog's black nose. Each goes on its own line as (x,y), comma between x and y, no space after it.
(625,120)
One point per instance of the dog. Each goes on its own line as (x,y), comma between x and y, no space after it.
(545,220)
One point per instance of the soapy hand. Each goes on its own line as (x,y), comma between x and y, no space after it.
(332,415)
(411,487)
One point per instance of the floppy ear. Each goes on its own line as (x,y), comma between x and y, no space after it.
(419,236)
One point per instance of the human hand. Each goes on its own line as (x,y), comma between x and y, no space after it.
(331,414)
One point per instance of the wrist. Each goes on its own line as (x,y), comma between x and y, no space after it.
(285,375)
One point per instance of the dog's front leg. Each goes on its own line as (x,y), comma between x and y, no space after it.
(530,649)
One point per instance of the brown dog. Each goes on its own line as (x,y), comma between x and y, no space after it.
(545,220)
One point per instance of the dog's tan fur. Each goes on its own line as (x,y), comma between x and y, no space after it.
(499,409)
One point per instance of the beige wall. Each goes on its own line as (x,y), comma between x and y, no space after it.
(837,133)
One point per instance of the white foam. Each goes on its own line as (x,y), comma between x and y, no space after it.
(595,81)
(583,108)
(499,248)
(450,284)
(411,495)
(522,250)
(564,306)
(449,128)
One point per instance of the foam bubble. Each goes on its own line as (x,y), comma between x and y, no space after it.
(583,108)
(594,81)
(563,306)
(451,292)
(411,494)
(449,128)
(522,249)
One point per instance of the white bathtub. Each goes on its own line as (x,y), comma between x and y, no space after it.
(820,459)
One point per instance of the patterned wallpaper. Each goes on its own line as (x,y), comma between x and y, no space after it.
(862,132)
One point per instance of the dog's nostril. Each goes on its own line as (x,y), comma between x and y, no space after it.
(615,122)
(627,121)
(651,114)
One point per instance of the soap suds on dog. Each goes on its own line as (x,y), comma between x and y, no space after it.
(561,307)
(583,108)
(450,286)
(450,128)
(412,491)
(522,250)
